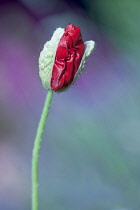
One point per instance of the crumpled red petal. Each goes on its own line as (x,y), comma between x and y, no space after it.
(68,57)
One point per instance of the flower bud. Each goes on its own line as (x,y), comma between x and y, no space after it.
(63,58)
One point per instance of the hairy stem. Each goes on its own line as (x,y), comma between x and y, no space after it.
(36,149)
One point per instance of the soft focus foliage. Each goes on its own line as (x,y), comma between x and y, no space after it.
(91,147)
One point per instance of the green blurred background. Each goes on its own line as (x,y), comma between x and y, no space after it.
(91,146)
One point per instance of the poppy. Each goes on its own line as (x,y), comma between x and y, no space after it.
(63,58)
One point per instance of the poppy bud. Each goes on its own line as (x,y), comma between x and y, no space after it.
(63,58)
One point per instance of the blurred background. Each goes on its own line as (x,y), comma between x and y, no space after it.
(91,146)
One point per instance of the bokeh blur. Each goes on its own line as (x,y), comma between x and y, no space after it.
(91,146)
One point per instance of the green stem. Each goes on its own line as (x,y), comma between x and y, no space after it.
(36,149)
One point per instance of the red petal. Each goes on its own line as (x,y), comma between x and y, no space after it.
(68,57)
